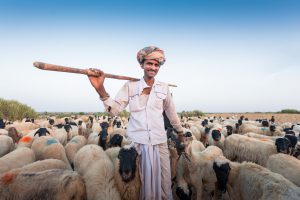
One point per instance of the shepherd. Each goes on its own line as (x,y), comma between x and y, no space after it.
(147,99)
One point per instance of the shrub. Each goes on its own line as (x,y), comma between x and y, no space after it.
(14,110)
(290,111)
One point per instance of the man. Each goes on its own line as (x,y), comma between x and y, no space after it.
(147,99)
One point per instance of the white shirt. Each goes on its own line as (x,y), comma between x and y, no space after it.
(146,124)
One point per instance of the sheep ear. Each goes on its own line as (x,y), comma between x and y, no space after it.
(38,132)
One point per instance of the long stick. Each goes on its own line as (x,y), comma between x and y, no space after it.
(58,68)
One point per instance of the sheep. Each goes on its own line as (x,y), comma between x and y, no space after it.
(22,126)
(3,132)
(41,165)
(16,158)
(259,136)
(200,172)
(60,134)
(180,171)
(96,168)
(251,181)
(48,147)
(287,166)
(126,171)
(242,148)
(6,145)
(47,185)
(93,138)
(296,153)
(271,131)
(73,146)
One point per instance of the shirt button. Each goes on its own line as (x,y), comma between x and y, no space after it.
(149,129)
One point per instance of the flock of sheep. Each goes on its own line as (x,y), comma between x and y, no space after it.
(92,158)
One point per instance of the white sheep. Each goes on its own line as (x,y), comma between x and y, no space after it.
(200,169)
(6,145)
(96,168)
(41,165)
(47,185)
(246,128)
(3,131)
(261,137)
(242,148)
(17,158)
(251,181)
(46,147)
(73,146)
(287,166)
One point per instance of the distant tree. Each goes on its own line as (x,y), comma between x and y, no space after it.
(290,111)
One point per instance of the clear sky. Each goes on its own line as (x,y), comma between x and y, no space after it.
(224,55)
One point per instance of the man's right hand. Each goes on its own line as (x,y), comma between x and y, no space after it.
(97,82)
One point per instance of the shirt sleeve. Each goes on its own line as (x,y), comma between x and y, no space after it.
(117,105)
(171,113)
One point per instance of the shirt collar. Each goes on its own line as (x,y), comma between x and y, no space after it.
(143,84)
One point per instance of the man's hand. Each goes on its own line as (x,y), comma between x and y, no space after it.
(97,81)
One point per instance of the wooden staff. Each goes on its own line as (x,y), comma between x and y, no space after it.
(58,68)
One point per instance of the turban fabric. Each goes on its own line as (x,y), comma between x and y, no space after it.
(151,53)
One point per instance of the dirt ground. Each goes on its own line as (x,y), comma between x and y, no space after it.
(279,118)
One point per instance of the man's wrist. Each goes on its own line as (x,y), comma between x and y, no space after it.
(105,97)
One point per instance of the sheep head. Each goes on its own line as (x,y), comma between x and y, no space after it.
(222,172)
(283,145)
(115,141)
(216,135)
(128,163)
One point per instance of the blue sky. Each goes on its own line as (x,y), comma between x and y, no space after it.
(225,56)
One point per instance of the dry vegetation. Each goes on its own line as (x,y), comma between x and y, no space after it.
(279,117)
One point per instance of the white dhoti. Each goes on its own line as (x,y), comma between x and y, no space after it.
(155,171)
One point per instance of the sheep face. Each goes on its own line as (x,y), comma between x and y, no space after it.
(188,134)
(283,145)
(51,121)
(183,195)
(42,132)
(115,141)
(292,138)
(265,123)
(178,145)
(222,173)
(229,130)
(128,163)
(272,128)
(67,127)
(102,139)
(118,124)
(216,135)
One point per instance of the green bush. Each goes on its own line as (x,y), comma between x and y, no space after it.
(290,111)
(14,110)
(194,113)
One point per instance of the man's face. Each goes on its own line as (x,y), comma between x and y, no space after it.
(151,68)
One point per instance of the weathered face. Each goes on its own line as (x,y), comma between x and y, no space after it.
(216,135)
(127,163)
(151,68)
(283,145)
(222,173)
